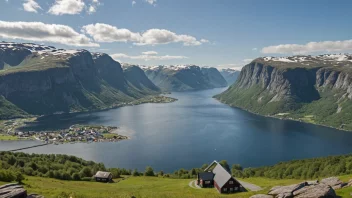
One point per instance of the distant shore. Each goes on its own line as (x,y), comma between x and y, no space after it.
(9,129)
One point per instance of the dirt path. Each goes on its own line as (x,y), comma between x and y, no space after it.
(249,186)
(193,184)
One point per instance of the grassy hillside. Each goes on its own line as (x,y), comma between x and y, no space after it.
(133,186)
(145,187)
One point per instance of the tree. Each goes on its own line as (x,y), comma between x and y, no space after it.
(225,165)
(149,171)
(135,172)
(75,176)
(86,172)
(204,166)
(19,177)
(161,173)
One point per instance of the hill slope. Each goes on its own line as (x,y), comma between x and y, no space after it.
(41,79)
(184,77)
(315,89)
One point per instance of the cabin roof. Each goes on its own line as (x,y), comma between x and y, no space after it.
(102,174)
(221,175)
(206,176)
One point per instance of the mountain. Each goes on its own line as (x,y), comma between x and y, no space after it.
(230,75)
(38,79)
(184,77)
(137,78)
(214,76)
(315,89)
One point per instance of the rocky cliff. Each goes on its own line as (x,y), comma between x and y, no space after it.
(184,77)
(43,80)
(315,89)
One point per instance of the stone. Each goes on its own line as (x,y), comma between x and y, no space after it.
(314,182)
(261,196)
(285,195)
(285,190)
(315,191)
(334,182)
(349,183)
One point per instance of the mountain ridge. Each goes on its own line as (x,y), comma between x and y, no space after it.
(41,80)
(314,89)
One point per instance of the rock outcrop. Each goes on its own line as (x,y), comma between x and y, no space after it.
(310,189)
(15,191)
(293,87)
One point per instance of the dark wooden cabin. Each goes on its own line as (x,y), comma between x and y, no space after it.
(205,180)
(102,176)
(224,182)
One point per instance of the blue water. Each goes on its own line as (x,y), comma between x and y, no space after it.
(195,130)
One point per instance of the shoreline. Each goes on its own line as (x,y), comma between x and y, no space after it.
(281,118)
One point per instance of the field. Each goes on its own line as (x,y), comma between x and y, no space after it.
(143,187)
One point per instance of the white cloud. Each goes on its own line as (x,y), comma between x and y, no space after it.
(204,41)
(254,49)
(247,60)
(323,46)
(151,2)
(133,3)
(146,56)
(236,66)
(71,7)
(91,9)
(106,33)
(232,66)
(93,6)
(31,6)
(41,32)
(150,53)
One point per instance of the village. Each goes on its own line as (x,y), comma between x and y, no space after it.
(80,133)
(74,134)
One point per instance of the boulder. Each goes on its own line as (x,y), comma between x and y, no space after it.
(261,196)
(349,183)
(315,191)
(334,182)
(285,191)
(314,182)
(285,195)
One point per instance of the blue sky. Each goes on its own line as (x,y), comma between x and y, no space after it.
(202,32)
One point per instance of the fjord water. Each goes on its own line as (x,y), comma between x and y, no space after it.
(196,129)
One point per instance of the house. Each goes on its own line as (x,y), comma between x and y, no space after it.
(224,182)
(219,178)
(102,176)
(205,179)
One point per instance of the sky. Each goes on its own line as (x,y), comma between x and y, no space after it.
(217,33)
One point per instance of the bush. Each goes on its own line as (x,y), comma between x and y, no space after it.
(149,171)
(7,176)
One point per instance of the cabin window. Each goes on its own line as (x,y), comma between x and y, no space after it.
(231,189)
(225,189)
(207,182)
(230,182)
(236,188)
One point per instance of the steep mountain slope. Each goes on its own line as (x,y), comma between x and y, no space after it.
(316,89)
(43,80)
(184,77)
(137,78)
(230,75)
(214,76)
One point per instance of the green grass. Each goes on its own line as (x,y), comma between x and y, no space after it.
(134,186)
(7,137)
(147,187)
